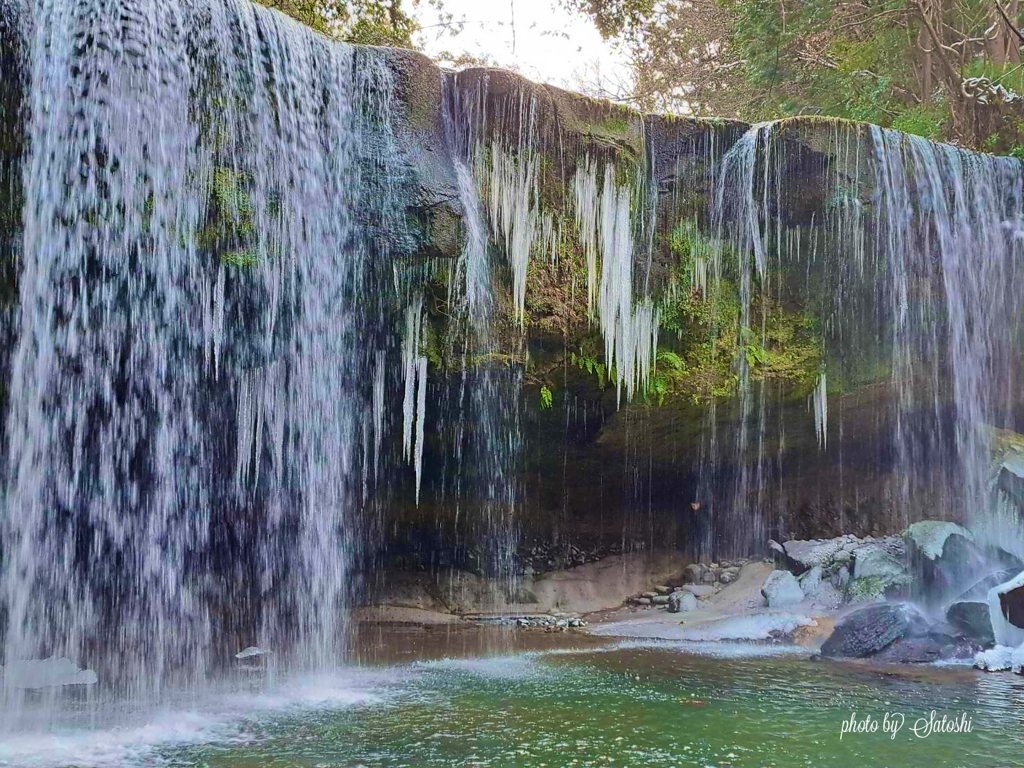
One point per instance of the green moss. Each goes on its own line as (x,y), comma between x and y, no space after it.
(867,588)
(246,258)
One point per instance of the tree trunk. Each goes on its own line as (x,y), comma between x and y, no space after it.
(1004,45)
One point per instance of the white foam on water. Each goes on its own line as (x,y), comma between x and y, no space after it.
(119,746)
(222,719)
(760,626)
(719,650)
(517,667)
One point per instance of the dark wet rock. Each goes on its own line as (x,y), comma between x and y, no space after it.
(918,650)
(681,602)
(946,557)
(870,630)
(928,538)
(971,618)
(660,600)
(781,589)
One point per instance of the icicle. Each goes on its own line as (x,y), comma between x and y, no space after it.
(421,410)
(410,350)
(513,212)
(550,237)
(378,408)
(587,207)
(630,330)
(820,402)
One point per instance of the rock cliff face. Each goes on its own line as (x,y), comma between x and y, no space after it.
(700,334)
(725,430)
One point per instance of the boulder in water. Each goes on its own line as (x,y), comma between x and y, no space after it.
(971,618)
(870,630)
(681,602)
(46,673)
(928,537)
(1006,608)
(781,588)
(945,556)
(915,650)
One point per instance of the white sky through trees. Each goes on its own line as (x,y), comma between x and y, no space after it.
(546,43)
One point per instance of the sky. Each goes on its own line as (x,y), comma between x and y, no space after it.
(549,45)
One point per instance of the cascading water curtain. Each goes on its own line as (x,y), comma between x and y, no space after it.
(916,267)
(190,299)
(487,391)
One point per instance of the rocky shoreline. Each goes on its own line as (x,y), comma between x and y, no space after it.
(931,593)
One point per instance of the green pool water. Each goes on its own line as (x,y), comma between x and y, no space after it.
(643,706)
(621,704)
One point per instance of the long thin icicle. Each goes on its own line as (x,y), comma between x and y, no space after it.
(421,410)
(410,350)
(821,412)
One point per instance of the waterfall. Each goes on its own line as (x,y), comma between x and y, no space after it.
(920,253)
(503,183)
(284,307)
(191,271)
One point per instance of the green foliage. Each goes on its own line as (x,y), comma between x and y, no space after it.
(612,17)
(672,360)
(1010,76)
(706,327)
(921,121)
(591,365)
(246,258)
(657,389)
(364,22)
(546,399)
(755,354)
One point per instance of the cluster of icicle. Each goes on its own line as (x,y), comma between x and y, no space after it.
(414,405)
(515,215)
(630,328)
(513,211)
